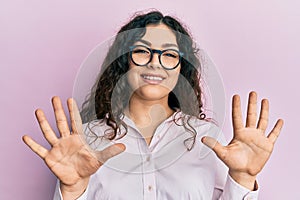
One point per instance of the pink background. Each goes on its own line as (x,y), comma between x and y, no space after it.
(254,44)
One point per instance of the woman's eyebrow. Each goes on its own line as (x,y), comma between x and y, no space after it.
(169,45)
(165,45)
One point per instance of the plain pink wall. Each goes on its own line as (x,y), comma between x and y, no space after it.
(255,45)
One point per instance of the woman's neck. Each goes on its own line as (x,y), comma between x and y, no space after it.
(143,111)
(148,114)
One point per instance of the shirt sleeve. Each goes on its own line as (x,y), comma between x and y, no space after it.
(234,191)
(58,195)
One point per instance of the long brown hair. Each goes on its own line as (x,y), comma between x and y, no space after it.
(98,104)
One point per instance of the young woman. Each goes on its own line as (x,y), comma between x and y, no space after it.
(144,127)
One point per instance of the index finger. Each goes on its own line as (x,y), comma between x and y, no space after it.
(76,121)
(237,121)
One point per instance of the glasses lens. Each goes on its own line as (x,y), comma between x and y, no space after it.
(140,55)
(170,58)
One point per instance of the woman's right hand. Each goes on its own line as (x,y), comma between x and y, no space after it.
(69,158)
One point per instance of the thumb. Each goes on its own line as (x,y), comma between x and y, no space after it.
(110,152)
(214,145)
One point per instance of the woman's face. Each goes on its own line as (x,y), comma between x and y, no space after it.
(153,82)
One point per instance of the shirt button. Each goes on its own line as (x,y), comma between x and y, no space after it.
(148,158)
(149,187)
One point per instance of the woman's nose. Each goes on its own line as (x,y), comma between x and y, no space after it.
(155,61)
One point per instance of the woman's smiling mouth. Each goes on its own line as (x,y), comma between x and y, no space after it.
(152,78)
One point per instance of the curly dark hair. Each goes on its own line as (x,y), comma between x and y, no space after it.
(98,104)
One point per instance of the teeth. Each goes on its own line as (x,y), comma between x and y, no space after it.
(156,78)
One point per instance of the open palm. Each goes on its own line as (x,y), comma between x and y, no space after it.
(249,149)
(69,158)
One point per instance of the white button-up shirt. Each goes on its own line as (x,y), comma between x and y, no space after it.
(163,170)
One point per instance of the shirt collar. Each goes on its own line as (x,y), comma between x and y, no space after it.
(175,116)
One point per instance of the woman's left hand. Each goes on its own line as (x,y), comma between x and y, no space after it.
(250,149)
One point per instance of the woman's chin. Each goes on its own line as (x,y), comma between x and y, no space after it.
(152,93)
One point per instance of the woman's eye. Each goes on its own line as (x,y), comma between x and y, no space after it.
(170,55)
(140,51)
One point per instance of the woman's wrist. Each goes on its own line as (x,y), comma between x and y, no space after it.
(246,180)
(74,191)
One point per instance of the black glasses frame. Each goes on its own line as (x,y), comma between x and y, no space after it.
(152,51)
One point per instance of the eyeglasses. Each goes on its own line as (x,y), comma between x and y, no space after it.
(142,56)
